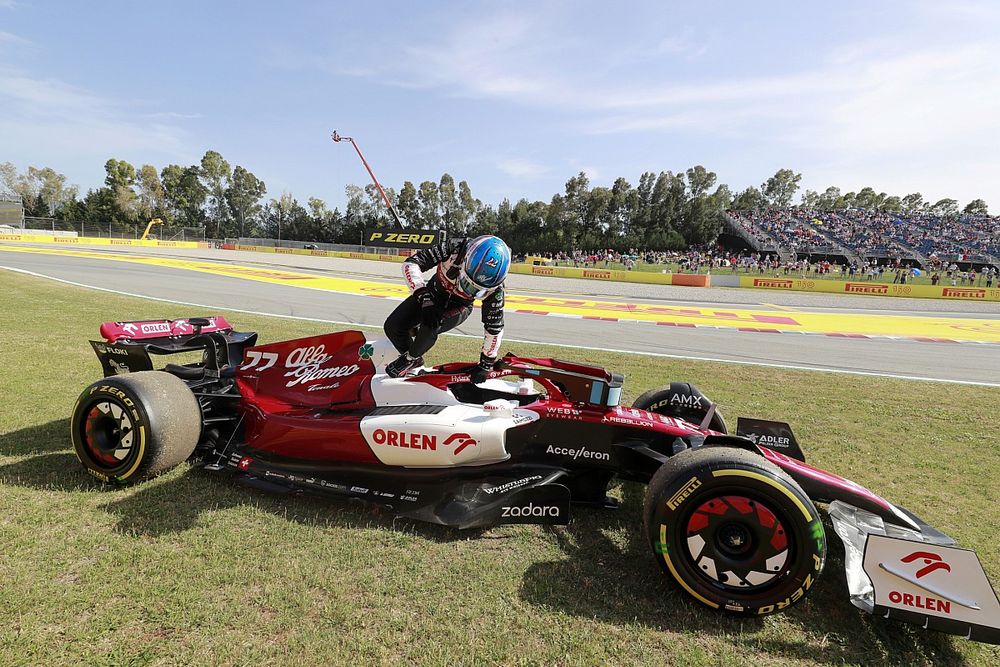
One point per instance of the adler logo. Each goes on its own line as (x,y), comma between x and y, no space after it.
(959,293)
(774,284)
(862,288)
(768,440)
(531,510)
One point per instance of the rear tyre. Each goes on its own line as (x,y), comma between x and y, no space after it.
(734,531)
(681,400)
(135,426)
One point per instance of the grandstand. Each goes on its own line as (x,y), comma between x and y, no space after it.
(858,237)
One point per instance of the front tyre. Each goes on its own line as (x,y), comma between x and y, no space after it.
(135,426)
(734,531)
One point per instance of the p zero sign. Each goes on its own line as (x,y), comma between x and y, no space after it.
(418,238)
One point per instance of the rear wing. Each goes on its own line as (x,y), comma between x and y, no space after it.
(127,346)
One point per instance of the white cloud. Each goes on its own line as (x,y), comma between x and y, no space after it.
(521,168)
(57,123)
(12,39)
(917,106)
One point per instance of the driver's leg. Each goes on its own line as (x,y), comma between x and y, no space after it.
(397,326)
(426,336)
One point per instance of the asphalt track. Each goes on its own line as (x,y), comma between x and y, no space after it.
(871,336)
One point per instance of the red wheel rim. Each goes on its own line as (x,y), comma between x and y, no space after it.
(737,543)
(108,434)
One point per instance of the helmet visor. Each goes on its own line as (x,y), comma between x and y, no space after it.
(469,286)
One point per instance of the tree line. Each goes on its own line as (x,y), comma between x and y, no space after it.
(664,211)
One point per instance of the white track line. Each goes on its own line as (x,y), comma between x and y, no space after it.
(821,369)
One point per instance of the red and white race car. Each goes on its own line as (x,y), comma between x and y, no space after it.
(730,517)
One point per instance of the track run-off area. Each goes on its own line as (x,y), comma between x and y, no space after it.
(909,338)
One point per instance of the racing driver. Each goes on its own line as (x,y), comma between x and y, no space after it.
(465,270)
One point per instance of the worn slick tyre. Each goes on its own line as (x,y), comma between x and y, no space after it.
(135,426)
(734,531)
(681,400)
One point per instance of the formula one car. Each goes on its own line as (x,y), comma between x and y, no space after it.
(731,517)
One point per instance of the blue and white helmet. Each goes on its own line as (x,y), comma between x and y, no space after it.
(487,260)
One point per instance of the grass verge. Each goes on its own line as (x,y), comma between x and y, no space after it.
(189,569)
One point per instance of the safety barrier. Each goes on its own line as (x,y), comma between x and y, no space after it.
(315,253)
(616,275)
(873,289)
(84,240)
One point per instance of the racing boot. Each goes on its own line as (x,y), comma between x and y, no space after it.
(403,365)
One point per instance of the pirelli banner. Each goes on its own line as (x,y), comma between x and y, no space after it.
(404,238)
(84,240)
(864,288)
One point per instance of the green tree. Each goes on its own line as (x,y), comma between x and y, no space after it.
(429,205)
(750,199)
(120,178)
(216,174)
(780,188)
(185,193)
(408,206)
(810,199)
(243,198)
(450,210)
(700,180)
(152,198)
(469,205)
(913,203)
(829,200)
(976,207)
(945,207)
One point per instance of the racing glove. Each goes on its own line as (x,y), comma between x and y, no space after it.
(428,309)
(479,372)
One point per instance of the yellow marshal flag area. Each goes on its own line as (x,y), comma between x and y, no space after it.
(751,320)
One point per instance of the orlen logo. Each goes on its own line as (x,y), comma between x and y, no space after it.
(405,440)
(932,562)
(768,282)
(959,293)
(159,327)
(422,441)
(862,288)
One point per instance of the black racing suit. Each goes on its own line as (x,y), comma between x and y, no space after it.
(452,306)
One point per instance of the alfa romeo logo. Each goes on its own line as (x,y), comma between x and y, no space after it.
(366,351)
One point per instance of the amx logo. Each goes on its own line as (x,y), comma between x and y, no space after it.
(932,562)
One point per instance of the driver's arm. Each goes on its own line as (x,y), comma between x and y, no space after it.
(492,324)
(425,260)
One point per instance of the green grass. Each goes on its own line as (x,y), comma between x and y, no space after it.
(190,569)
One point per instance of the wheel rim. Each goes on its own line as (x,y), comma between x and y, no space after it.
(109,434)
(737,543)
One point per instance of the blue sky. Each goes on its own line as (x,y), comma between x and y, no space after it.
(512,97)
